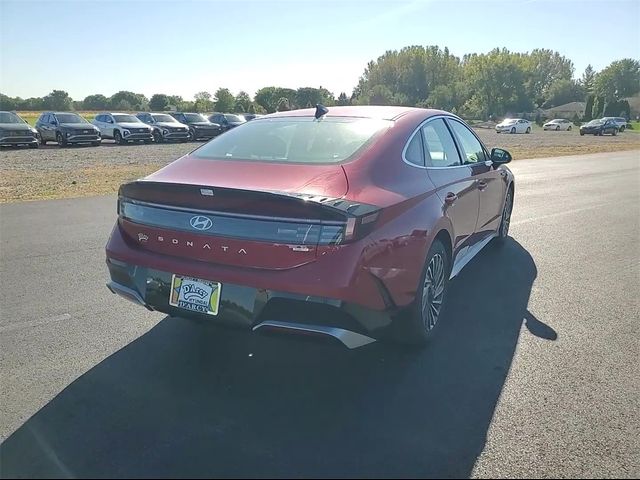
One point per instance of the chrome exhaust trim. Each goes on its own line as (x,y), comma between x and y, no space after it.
(348,338)
(128,293)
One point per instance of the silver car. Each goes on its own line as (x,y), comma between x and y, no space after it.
(123,127)
(165,127)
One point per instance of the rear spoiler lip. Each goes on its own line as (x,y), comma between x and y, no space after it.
(345,207)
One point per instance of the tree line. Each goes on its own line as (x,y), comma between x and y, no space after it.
(487,85)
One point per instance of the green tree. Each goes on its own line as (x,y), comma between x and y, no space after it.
(497,80)
(343,99)
(95,102)
(541,69)
(597,110)
(243,102)
(134,101)
(8,103)
(588,108)
(203,102)
(619,80)
(57,100)
(269,97)
(588,79)
(563,91)
(159,102)
(306,96)
(224,100)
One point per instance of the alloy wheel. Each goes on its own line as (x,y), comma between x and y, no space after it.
(506,216)
(433,291)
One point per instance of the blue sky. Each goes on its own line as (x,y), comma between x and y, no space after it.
(183,47)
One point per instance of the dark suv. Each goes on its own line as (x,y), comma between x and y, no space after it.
(15,131)
(227,120)
(165,127)
(199,126)
(66,128)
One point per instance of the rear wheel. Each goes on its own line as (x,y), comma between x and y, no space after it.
(505,222)
(157,136)
(529,129)
(622,128)
(614,132)
(192,135)
(513,130)
(421,322)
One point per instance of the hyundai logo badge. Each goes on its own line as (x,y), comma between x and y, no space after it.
(200,222)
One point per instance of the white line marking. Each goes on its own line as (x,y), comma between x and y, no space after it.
(35,323)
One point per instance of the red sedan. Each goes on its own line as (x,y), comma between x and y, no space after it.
(340,221)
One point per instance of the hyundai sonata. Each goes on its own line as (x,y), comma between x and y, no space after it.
(342,221)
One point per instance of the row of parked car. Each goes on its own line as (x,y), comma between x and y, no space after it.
(67,128)
(599,126)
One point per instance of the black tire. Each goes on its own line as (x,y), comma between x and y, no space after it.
(62,142)
(147,142)
(569,129)
(513,130)
(614,132)
(582,134)
(420,324)
(558,128)
(192,135)
(505,222)
(622,129)
(157,136)
(529,129)
(34,145)
(117,136)
(42,141)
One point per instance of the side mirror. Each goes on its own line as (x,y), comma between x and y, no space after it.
(500,156)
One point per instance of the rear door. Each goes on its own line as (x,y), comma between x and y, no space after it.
(454,181)
(488,181)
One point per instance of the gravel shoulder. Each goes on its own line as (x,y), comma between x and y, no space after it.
(52,172)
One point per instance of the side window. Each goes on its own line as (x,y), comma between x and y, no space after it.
(44,118)
(413,154)
(52,118)
(438,144)
(100,118)
(471,146)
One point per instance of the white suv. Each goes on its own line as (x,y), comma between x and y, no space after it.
(123,127)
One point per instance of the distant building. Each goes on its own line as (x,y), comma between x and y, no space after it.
(568,110)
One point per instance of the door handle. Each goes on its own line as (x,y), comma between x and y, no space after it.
(482,184)
(450,198)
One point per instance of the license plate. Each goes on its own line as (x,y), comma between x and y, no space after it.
(195,295)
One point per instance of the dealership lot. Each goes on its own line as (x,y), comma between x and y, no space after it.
(534,374)
(53,172)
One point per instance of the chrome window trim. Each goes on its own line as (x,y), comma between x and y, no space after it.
(418,128)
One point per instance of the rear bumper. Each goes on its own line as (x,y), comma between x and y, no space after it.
(334,292)
(255,308)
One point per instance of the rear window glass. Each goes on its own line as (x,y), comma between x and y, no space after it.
(294,139)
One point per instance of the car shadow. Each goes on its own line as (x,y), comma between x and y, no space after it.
(188,399)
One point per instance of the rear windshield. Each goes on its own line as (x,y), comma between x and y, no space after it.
(294,139)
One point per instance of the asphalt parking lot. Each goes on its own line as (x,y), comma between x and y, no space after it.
(535,372)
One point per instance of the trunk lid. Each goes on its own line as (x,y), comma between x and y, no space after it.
(247,214)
